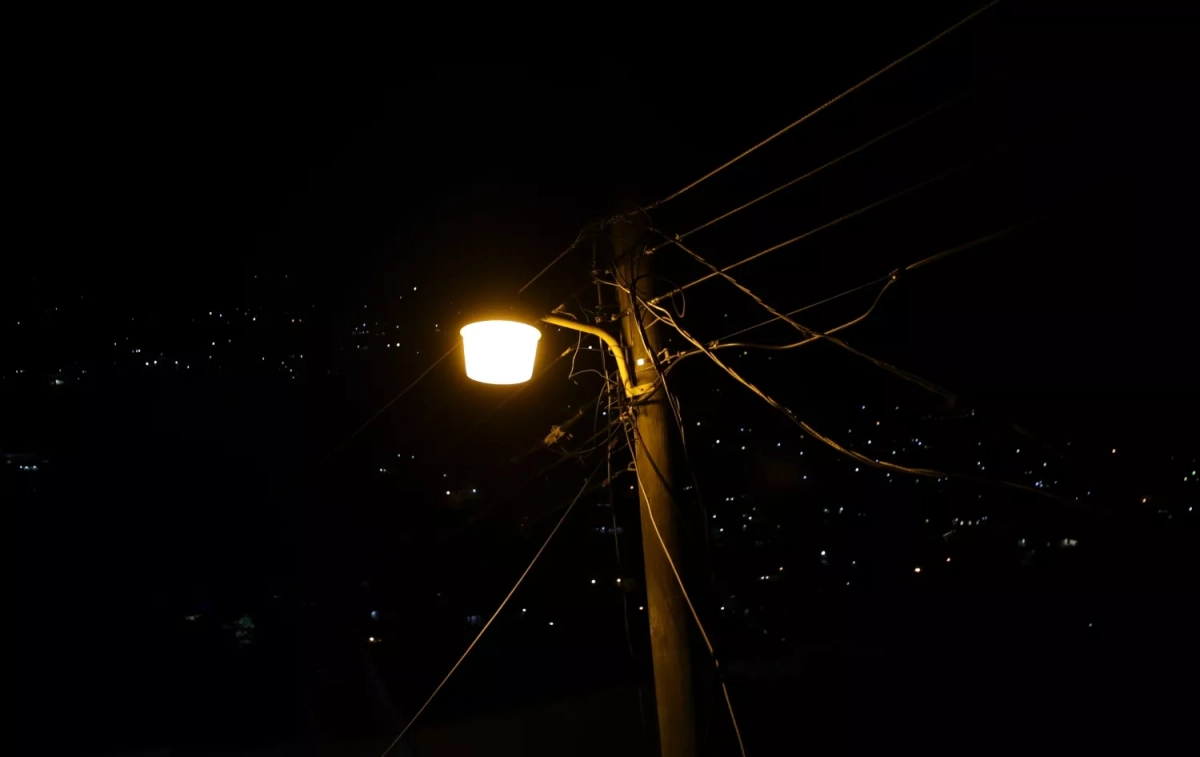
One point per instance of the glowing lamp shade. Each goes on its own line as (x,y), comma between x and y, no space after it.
(500,352)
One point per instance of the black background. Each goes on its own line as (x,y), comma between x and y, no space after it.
(295,169)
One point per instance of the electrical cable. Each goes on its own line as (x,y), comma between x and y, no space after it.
(769,321)
(814,334)
(534,519)
(661,373)
(483,630)
(722,344)
(814,171)
(482,419)
(683,589)
(805,235)
(718,345)
(560,256)
(880,464)
(541,473)
(822,107)
(391,402)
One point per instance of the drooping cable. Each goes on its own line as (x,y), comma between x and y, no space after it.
(814,334)
(507,597)
(829,224)
(661,374)
(889,279)
(485,417)
(880,464)
(679,579)
(822,107)
(813,172)
(809,306)
(610,429)
(390,402)
(560,256)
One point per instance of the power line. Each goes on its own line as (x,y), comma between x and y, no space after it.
(480,420)
(810,232)
(391,402)
(560,256)
(880,464)
(483,630)
(924,384)
(683,589)
(822,107)
(720,344)
(813,172)
(723,343)
(544,471)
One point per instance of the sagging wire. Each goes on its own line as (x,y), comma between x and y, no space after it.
(814,334)
(870,462)
(888,279)
(487,625)
(341,445)
(815,171)
(823,106)
(800,237)
(630,428)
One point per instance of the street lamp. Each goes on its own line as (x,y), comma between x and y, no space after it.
(500,352)
(503,352)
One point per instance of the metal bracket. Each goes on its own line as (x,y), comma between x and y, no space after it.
(639,390)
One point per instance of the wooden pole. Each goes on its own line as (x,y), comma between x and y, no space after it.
(670,646)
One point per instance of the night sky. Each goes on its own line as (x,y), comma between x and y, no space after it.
(228,251)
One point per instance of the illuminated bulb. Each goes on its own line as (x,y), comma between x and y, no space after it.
(916,570)
(593,580)
(643,607)
(500,352)
(1114,450)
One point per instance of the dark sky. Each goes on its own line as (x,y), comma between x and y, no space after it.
(306,171)
(168,172)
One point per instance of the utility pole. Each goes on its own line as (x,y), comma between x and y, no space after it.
(670,644)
